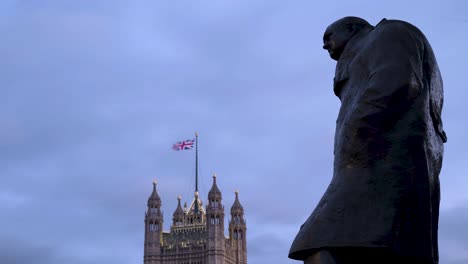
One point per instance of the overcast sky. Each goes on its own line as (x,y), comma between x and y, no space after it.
(94,93)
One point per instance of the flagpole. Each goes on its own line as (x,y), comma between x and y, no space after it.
(196,161)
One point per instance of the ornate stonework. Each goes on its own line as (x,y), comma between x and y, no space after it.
(197,234)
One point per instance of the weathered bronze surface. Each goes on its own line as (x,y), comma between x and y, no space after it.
(383,199)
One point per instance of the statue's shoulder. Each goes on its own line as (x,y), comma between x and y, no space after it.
(395,26)
(393,42)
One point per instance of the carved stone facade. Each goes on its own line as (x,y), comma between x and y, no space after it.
(197,234)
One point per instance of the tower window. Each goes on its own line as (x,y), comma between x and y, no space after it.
(153,227)
(237,219)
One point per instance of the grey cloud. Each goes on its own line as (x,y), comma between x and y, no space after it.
(268,248)
(13,251)
(453,225)
(453,235)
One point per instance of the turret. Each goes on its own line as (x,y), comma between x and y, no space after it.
(153,229)
(178,216)
(215,225)
(238,231)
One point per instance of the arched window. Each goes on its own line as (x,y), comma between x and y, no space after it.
(154,227)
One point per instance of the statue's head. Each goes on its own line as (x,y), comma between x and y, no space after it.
(340,32)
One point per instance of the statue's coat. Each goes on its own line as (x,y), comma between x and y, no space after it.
(388,148)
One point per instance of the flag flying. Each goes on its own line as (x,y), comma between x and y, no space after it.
(184,145)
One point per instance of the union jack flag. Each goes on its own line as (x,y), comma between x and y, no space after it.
(184,145)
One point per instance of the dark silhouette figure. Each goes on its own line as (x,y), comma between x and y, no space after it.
(382,205)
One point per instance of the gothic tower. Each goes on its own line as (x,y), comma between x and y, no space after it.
(237,231)
(153,229)
(215,225)
(196,234)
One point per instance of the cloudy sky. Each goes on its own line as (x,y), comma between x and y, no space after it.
(94,93)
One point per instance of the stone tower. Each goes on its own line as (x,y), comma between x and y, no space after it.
(153,229)
(215,226)
(237,232)
(196,234)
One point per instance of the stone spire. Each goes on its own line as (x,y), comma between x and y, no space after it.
(236,206)
(154,198)
(178,216)
(214,192)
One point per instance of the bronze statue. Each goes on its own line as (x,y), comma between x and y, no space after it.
(382,205)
